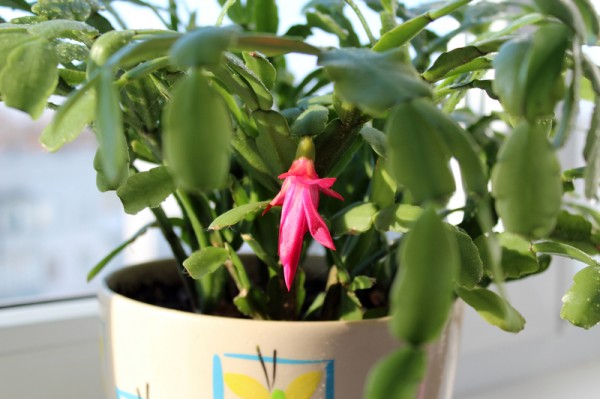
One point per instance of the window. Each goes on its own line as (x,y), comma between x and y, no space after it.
(54,224)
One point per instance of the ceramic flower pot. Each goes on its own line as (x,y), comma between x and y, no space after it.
(158,353)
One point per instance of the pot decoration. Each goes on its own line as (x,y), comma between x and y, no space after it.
(355,156)
(156,352)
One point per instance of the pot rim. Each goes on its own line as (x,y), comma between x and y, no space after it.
(106,295)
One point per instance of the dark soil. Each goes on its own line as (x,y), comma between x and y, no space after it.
(169,295)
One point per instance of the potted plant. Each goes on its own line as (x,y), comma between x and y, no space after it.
(357,154)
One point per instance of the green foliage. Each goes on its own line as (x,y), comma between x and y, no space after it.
(471,265)
(203,46)
(146,189)
(581,304)
(409,29)
(77,112)
(235,215)
(376,139)
(575,230)
(16,4)
(527,171)
(197,127)
(397,218)
(419,157)
(557,248)
(422,292)
(100,265)
(447,63)
(374,82)
(274,141)
(459,144)
(398,375)
(262,67)
(29,76)
(579,15)
(205,261)
(265,16)
(311,122)
(493,308)
(78,10)
(108,44)
(528,72)
(113,153)
(355,219)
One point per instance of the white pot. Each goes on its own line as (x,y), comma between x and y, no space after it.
(158,353)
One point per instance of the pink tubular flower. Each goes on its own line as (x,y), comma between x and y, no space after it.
(299,196)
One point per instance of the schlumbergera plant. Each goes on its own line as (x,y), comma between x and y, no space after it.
(355,155)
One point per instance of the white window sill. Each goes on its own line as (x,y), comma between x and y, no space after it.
(580,381)
(51,351)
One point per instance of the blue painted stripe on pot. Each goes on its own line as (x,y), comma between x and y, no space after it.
(269,359)
(329,377)
(126,395)
(218,386)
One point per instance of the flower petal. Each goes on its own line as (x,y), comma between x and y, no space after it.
(299,196)
(279,198)
(331,193)
(317,227)
(326,182)
(291,232)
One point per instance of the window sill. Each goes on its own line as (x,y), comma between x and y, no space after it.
(51,351)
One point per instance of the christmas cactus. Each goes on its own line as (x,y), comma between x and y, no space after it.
(357,151)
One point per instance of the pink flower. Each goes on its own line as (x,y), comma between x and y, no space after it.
(299,196)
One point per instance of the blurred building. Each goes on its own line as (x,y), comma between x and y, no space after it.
(54,224)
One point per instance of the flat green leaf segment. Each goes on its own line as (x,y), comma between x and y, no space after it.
(398,375)
(16,4)
(146,189)
(471,265)
(528,72)
(457,140)
(376,139)
(262,67)
(274,142)
(78,111)
(527,171)
(29,75)
(356,219)
(205,261)
(561,249)
(79,10)
(493,308)
(62,29)
(311,122)
(581,304)
(203,46)
(113,153)
(374,82)
(579,15)
(518,258)
(402,33)
(397,218)
(111,255)
(266,16)
(197,135)
(577,231)
(422,293)
(419,157)
(236,215)
(461,59)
